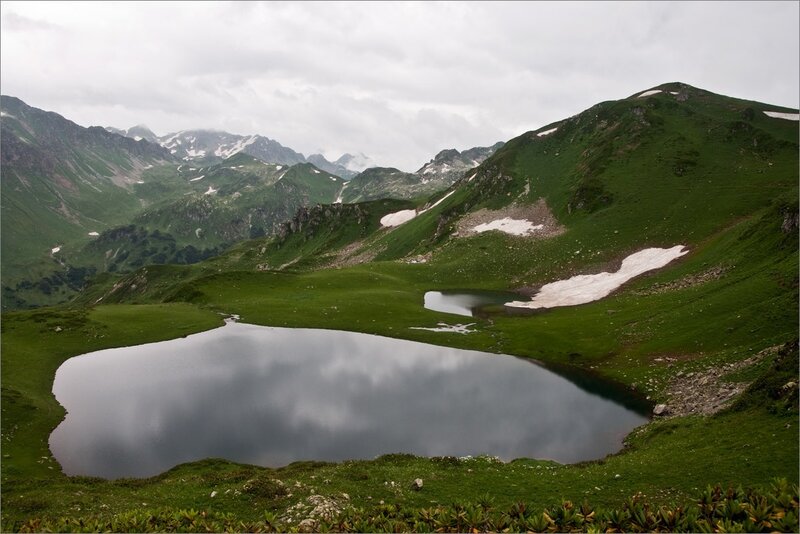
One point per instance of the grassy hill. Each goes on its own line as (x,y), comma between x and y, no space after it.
(61,181)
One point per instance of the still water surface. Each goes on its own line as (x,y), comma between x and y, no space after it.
(271,396)
(467,303)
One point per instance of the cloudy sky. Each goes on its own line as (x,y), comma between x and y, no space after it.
(396,81)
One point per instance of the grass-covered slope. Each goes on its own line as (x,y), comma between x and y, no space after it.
(61,180)
(187,214)
(658,170)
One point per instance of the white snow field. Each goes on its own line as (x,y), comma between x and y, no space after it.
(399,217)
(649,93)
(781,115)
(590,287)
(509,226)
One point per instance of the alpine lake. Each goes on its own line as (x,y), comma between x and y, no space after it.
(271,396)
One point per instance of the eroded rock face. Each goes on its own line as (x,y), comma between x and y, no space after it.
(789,224)
(705,392)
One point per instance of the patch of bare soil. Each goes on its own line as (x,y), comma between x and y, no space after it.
(538,213)
(353,255)
(705,392)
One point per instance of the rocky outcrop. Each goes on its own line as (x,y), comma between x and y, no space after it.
(790,218)
(706,392)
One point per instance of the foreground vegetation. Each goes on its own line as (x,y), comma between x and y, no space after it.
(715,510)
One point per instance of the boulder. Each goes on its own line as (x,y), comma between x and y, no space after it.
(660,409)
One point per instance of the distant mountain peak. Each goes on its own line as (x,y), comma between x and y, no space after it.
(356,163)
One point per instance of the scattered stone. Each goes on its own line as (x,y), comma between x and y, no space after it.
(617,476)
(310,511)
(417,484)
(307,525)
(660,409)
(213,494)
(704,392)
(58,329)
(715,273)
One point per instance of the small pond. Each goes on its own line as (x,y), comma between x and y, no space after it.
(468,303)
(271,396)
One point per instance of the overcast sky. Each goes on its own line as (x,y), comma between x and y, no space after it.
(396,81)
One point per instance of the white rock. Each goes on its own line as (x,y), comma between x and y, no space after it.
(660,409)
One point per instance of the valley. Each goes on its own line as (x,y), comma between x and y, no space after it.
(706,334)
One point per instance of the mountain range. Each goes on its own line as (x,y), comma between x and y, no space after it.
(69,191)
(210,146)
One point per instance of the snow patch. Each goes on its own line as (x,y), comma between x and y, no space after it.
(472,177)
(333,179)
(315,171)
(397,218)
(94,234)
(590,287)
(226,151)
(649,93)
(140,182)
(509,226)
(137,137)
(210,191)
(279,167)
(197,232)
(55,249)
(781,115)
(172,151)
(546,132)
(444,327)
(198,178)
(196,153)
(339,198)
(4,114)
(439,201)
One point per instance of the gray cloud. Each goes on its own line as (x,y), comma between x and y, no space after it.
(397,81)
